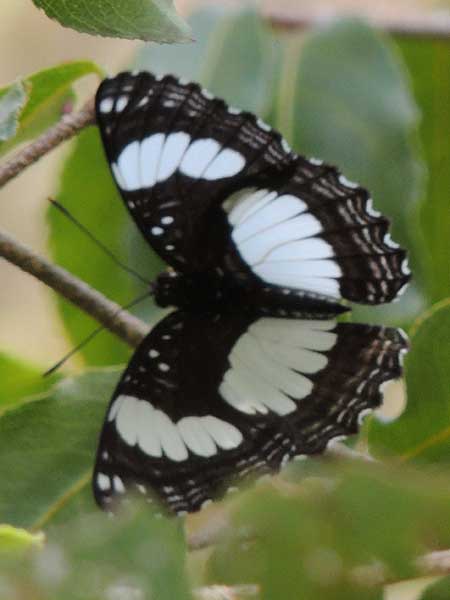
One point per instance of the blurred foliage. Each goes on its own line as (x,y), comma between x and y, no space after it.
(19,380)
(15,541)
(429,69)
(235,57)
(438,590)
(335,536)
(148,20)
(48,92)
(346,99)
(330,531)
(422,432)
(47,447)
(12,100)
(135,557)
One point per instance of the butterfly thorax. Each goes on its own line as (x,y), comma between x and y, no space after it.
(197,292)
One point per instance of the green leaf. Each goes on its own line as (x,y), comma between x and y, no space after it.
(345,98)
(47,448)
(148,20)
(240,61)
(233,57)
(14,540)
(47,93)
(19,379)
(321,538)
(132,556)
(422,433)
(89,193)
(163,59)
(429,65)
(12,100)
(438,590)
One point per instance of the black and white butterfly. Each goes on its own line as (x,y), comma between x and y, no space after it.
(251,370)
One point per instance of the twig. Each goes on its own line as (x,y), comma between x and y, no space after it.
(66,128)
(224,592)
(435,563)
(108,313)
(434,24)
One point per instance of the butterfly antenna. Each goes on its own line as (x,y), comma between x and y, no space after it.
(94,333)
(97,242)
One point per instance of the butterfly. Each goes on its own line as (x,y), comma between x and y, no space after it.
(251,368)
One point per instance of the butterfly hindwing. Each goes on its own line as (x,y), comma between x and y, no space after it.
(208,399)
(213,187)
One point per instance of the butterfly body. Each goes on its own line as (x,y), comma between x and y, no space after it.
(250,369)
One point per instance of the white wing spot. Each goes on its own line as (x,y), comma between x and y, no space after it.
(276,237)
(153,353)
(118,485)
(263,125)
(157,230)
(143,101)
(103,482)
(128,166)
(346,182)
(171,154)
(121,103)
(370,210)
(163,367)
(286,146)
(226,164)
(270,364)
(106,105)
(167,220)
(198,156)
(207,94)
(388,241)
(405,268)
(150,151)
(138,423)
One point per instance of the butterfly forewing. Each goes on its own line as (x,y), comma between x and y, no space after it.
(174,150)
(212,187)
(208,399)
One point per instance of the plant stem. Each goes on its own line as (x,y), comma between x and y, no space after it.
(66,128)
(419,23)
(127,327)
